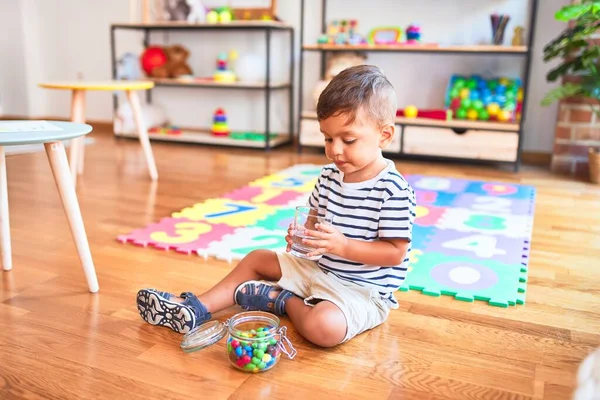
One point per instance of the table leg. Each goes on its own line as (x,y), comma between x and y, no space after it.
(57,157)
(77,145)
(4,218)
(136,108)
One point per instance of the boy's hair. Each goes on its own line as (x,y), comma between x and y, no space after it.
(362,86)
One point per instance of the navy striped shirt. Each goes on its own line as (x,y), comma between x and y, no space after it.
(380,208)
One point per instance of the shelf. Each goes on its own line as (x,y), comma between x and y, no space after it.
(204,137)
(473,49)
(182,25)
(211,84)
(457,124)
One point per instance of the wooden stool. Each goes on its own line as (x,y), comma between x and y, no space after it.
(51,134)
(78,89)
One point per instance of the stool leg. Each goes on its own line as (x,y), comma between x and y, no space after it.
(60,168)
(77,115)
(136,108)
(4,218)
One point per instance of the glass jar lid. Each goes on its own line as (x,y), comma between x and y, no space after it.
(203,336)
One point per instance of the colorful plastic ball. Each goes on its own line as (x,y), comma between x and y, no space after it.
(459,83)
(484,115)
(477,105)
(504,81)
(482,85)
(520,95)
(411,112)
(461,113)
(455,104)
(500,99)
(472,84)
(493,84)
(466,103)
(475,95)
(510,96)
(212,17)
(493,109)
(501,89)
(455,92)
(464,93)
(487,99)
(472,114)
(510,106)
(504,116)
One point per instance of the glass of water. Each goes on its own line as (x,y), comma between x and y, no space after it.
(305,219)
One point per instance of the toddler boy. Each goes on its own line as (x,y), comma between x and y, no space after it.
(364,252)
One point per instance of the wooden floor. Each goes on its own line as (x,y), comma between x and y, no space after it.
(57,341)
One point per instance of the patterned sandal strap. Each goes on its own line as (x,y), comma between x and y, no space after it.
(279,307)
(191,300)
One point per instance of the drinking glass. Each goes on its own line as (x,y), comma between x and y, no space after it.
(305,219)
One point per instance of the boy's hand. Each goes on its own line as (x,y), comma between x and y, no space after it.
(327,240)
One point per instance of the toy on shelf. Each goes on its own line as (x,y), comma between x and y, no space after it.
(476,98)
(518,39)
(165,130)
(219,15)
(257,13)
(413,34)
(336,63)
(220,127)
(342,32)
(385,35)
(197,12)
(411,112)
(166,62)
(225,73)
(129,67)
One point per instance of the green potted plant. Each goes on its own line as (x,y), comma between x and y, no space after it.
(579,58)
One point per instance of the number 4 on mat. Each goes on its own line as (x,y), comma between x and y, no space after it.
(482,245)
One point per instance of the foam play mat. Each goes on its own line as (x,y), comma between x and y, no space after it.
(471,239)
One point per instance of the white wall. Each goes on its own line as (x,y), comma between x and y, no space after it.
(13,95)
(65,38)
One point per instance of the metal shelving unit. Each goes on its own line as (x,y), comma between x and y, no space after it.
(267,86)
(457,125)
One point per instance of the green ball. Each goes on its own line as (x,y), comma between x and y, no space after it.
(262,365)
(510,106)
(250,366)
(484,115)
(273,341)
(472,83)
(493,84)
(511,96)
(256,360)
(461,113)
(455,92)
(261,334)
(478,105)
(459,83)
(466,103)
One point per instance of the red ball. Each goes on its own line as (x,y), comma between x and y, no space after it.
(153,56)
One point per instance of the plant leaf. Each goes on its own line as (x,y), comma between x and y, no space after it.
(574,11)
(561,92)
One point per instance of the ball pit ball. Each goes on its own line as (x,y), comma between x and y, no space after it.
(256,349)
(411,112)
(477,98)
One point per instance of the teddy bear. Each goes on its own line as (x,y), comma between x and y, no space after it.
(176,65)
(336,63)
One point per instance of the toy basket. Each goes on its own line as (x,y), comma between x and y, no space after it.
(594,159)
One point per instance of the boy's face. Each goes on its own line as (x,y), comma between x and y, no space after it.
(355,148)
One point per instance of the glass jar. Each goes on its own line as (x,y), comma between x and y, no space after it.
(255,340)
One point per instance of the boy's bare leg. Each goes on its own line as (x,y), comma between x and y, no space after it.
(323,324)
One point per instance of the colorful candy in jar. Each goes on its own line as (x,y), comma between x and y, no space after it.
(259,353)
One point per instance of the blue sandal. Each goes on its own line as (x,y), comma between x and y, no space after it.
(156,308)
(259,300)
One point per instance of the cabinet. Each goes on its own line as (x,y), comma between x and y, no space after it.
(261,140)
(429,139)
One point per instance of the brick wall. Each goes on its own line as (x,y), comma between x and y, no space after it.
(577,129)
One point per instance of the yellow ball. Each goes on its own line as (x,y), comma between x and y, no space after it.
(411,112)
(472,114)
(493,109)
(504,81)
(520,95)
(504,116)
(465,93)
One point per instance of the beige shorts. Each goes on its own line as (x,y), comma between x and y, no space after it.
(363,307)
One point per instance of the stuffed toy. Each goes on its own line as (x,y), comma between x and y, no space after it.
(336,63)
(172,65)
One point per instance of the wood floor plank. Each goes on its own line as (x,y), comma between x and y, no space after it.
(59,341)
